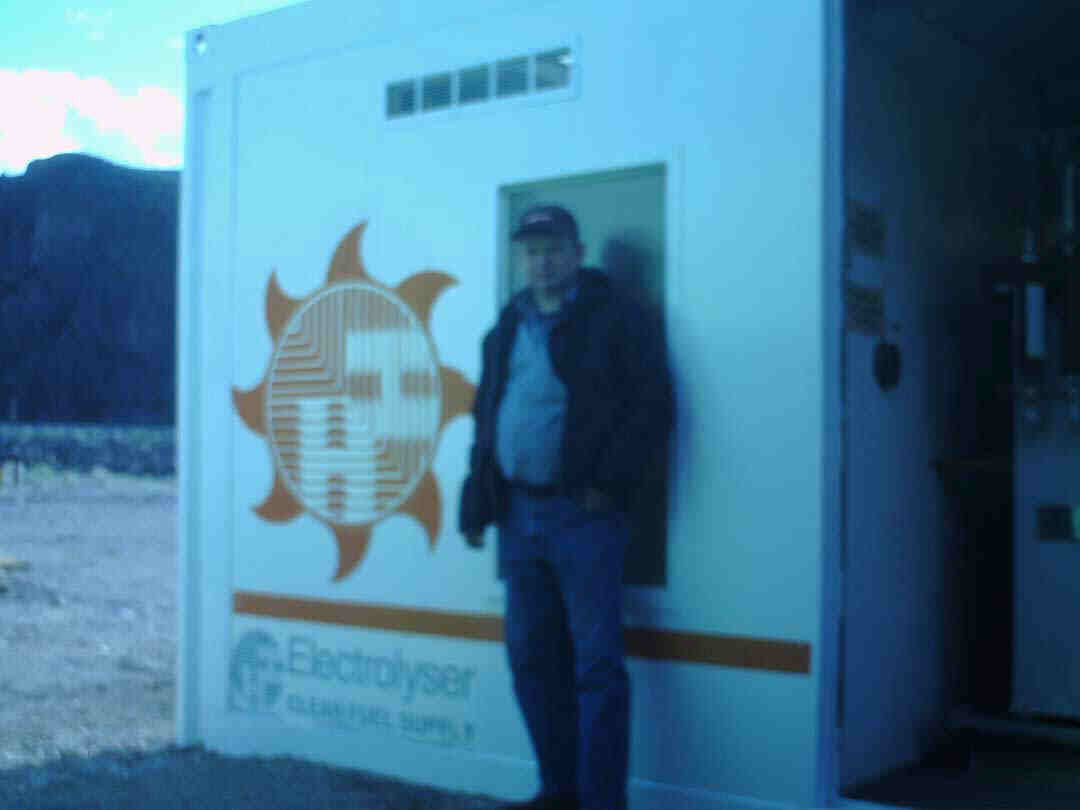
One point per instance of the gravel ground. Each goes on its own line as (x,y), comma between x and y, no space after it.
(88,660)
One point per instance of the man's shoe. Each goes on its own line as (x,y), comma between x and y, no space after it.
(563,801)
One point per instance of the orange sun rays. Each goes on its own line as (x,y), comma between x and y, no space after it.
(419,293)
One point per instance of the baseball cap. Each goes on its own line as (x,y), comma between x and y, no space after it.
(546,220)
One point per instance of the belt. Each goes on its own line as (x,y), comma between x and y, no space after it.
(538,490)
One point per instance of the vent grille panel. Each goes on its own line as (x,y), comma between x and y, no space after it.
(512,76)
(400,99)
(553,69)
(538,72)
(437,91)
(474,84)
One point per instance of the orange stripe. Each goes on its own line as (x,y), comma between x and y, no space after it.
(740,652)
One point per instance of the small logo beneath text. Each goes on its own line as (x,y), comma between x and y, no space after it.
(255,673)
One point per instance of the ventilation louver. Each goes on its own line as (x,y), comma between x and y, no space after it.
(503,78)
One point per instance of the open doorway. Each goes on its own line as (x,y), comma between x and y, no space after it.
(621,217)
(959,672)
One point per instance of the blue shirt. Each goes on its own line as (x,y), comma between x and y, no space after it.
(532,414)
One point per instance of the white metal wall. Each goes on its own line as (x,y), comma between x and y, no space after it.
(287,150)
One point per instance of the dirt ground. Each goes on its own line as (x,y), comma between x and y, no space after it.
(88,626)
(88,568)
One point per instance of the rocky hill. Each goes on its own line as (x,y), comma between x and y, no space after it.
(88,293)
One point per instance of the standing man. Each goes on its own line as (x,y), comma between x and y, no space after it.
(575,402)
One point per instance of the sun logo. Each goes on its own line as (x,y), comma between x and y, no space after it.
(354,401)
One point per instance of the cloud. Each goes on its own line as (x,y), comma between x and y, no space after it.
(47,112)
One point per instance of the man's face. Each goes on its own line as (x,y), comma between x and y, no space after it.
(550,262)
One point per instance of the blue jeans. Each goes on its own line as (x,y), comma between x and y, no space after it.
(563,569)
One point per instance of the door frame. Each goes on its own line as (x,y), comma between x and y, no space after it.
(830,665)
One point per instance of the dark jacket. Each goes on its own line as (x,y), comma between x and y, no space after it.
(611,357)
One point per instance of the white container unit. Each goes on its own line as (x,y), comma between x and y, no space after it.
(352,175)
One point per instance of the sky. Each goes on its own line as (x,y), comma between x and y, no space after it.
(101,78)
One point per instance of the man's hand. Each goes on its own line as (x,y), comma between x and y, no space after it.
(597,501)
(475,540)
